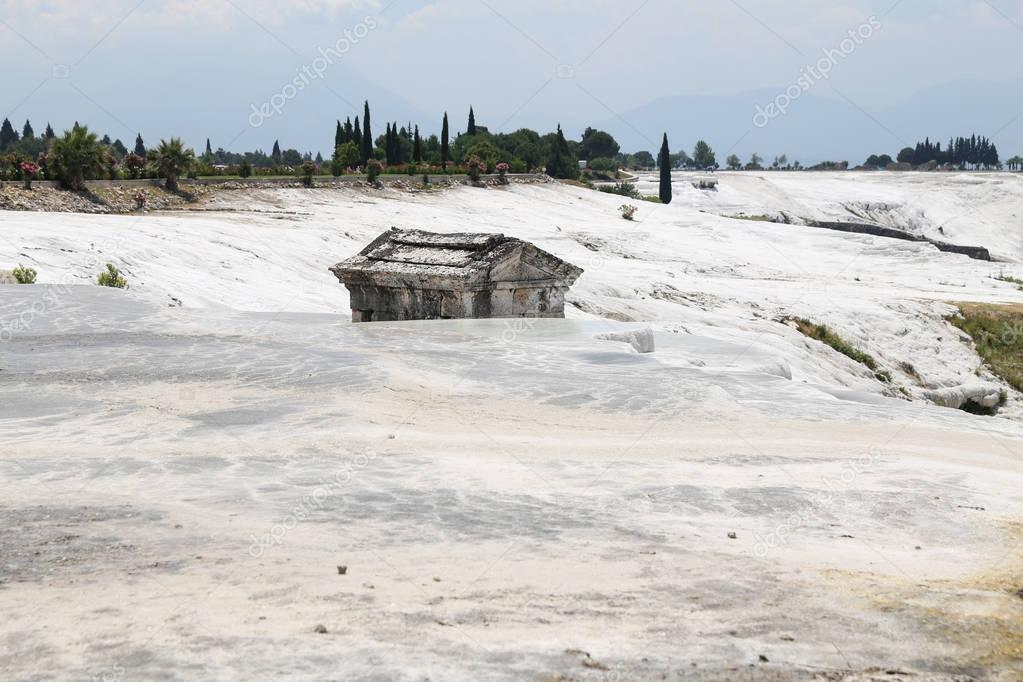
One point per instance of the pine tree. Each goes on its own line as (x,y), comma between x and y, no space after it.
(471,130)
(275,155)
(665,163)
(417,147)
(319,159)
(445,149)
(8,135)
(561,164)
(367,135)
(140,147)
(49,134)
(27,133)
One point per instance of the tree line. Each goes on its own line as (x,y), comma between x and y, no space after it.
(975,152)
(404,148)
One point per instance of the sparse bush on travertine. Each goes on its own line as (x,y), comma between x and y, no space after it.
(23,275)
(625,189)
(628,211)
(828,337)
(111,277)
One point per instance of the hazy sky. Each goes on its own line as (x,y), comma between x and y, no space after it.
(200,68)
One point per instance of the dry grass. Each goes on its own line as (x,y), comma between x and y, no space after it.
(997,332)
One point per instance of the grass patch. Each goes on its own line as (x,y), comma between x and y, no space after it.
(625,189)
(997,333)
(651,199)
(1002,277)
(830,338)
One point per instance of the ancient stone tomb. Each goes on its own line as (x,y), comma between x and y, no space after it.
(417,275)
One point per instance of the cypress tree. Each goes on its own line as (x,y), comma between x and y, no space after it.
(471,130)
(275,155)
(49,134)
(209,149)
(349,132)
(8,135)
(665,162)
(561,163)
(339,135)
(357,135)
(27,133)
(556,161)
(417,147)
(445,149)
(140,147)
(367,135)
(389,144)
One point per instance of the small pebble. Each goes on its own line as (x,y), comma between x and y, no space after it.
(732,535)
(320,629)
(342,570)
(763,659)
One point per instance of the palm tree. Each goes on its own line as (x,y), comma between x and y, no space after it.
(172,160)
(75,157)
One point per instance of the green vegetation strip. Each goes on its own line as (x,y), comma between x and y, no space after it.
(997,332)
(828,337)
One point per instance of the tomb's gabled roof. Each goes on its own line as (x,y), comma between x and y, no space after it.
(414,258)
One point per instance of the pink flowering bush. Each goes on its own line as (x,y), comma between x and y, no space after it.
(502,172)
(474,167)
(134,164)
(29,171)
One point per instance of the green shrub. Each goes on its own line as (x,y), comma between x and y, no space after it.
(306,171)
(245,169)
(373,170)
(345,156)
(486,152)
(603,165)
(473,167)
(24,275)
(111,277)
(625,189)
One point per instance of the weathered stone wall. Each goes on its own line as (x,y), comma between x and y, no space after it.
(386,304)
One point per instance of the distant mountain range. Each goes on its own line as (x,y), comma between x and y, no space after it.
(825,126)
